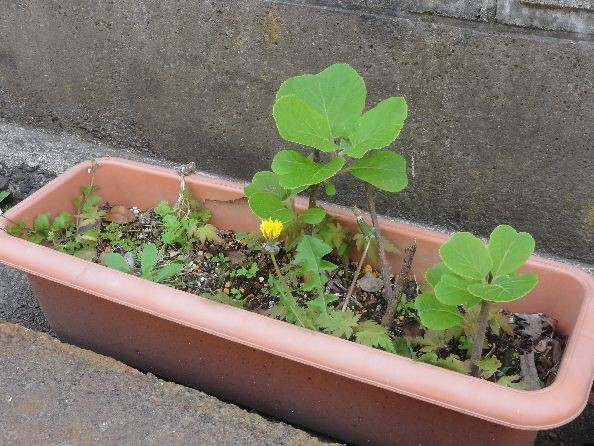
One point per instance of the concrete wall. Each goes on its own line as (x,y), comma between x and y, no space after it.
(501,120)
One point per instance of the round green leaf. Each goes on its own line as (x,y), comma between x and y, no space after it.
(466,256)
(266,205)
(509,249)
(313,216)
(337,93)
(453,290)
(298,122)
(434,273)
(435,315)
(296,170)
(378,127)
(385,170)
(505,288)
(329,189)
(268,182)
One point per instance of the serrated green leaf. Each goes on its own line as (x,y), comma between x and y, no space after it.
(116,261)
(337,93)
(509,249)
(453,362)
(512,381)
(313,216)
(339,323)
(296,170)
(265,205)
(488,366)
(453,290)
(329,189)
(168,271)
(435,315)
(402,347)
(334,234)
(267,182)
(148,259)
(378,127)
(374,335)
(466,256)
(300,123)
(505,288)
(41,223)
(62,221)
(207,232)
(384,170)
(309,255)
(434,273)
(163,208)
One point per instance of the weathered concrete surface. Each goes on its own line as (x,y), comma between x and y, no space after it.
(54,393)
(500,126)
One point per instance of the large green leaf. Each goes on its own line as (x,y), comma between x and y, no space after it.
(148,259)
(385,170)
(298,122)
(168,271)
(509,249)
(505,288)
(117,261)
(337,93)
(296,170)
(467,256)
(378,127)
(453,290)
(313,216)
(435,315)
(309,256)
(434,273)
(267,182)
(266,205)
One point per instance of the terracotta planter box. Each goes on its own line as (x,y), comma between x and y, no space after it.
(345,390)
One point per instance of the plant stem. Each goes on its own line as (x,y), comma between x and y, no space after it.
(478,337)
(314,188)
(385,266)
(286,287)
(356,275)
(401,282)
(313,192)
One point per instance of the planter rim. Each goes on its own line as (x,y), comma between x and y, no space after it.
(543,409)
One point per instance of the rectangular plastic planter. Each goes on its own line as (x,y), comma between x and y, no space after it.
(343,389)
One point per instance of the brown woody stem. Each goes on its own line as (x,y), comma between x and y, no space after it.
(356,276)
(400,286)
(478,337)
(385,266)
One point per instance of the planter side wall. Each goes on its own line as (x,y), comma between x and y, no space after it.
(316,399)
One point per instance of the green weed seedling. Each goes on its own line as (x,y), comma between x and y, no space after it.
(148,260)
(472,274)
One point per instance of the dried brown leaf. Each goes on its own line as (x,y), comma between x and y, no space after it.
(236,257)
(120,214)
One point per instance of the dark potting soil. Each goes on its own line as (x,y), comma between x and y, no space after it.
(237,271)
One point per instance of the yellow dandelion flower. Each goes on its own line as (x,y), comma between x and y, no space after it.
(271,229)
(367,269)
